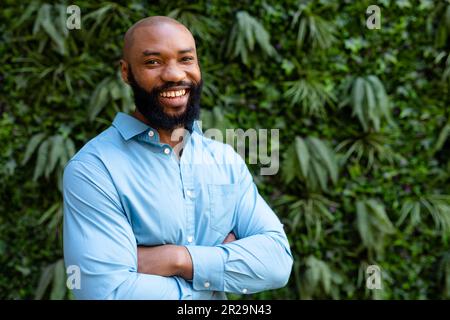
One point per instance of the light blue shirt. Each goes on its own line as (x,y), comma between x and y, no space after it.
(125,189)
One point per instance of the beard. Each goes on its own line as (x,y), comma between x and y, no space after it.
(147,102)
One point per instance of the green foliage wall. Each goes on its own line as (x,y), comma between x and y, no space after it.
(363,117)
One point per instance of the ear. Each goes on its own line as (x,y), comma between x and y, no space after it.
(124,70)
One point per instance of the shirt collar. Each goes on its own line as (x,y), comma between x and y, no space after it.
(129,126)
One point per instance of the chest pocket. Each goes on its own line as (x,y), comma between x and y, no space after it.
(223,199)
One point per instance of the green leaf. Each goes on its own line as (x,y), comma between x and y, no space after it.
(302,155)
(246,32)
(47,214)
(57,151)
(44,281)
(313,30)
(442,138)
(41,159)
(100,98)
(45,19)
(59,281)
(32,145)
(357,101)
(326,156)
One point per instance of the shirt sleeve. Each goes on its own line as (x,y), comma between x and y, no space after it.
(99,240)
(260,260)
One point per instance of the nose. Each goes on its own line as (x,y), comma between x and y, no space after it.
(172,73)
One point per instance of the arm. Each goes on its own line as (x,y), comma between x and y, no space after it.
(168,260)
(98,238)
(260,260)
(165,260)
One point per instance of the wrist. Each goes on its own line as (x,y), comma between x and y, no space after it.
(184,263)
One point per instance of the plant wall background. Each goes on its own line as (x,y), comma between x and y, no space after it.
(363,115)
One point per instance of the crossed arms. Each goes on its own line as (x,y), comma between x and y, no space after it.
(98,238)
(169,260)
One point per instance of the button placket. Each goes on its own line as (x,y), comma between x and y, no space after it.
(188,186)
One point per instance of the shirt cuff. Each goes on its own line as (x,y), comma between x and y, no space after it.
(208,264)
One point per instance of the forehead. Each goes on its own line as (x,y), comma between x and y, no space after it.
(168,39)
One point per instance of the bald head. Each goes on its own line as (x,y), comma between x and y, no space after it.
(134,32)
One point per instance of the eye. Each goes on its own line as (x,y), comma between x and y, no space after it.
(151,62)
(187,59)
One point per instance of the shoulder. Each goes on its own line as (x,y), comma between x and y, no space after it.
(91,156)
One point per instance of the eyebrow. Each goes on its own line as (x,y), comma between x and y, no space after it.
(155,53)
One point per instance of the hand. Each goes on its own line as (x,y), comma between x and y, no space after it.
(230,238)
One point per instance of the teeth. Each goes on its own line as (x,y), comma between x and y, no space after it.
(172,94)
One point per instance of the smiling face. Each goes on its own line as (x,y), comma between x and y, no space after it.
(160,64)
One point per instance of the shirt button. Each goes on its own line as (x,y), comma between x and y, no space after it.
(151,133)
(189,193)
(244,290)
(207,284)
(190,239)
(166,150)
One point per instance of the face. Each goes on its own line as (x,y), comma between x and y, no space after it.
(163,71)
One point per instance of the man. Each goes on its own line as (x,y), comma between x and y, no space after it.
(150,214)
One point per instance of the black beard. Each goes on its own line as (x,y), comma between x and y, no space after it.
(149,106)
